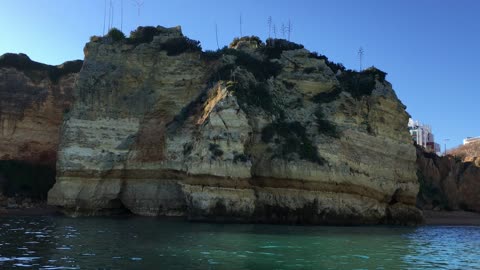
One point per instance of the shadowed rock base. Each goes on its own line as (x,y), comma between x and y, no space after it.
(291,206)
(245,203)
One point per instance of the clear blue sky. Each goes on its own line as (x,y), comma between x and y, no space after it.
(430,49)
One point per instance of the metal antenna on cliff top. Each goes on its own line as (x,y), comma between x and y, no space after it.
(113,12)
(241,34)
(269,22)
(104,16)
(283,30)
(445,146)
(109,15)
(289,29)
(216,35)
(139,5)
(275,31)
(121,15)
(360,57)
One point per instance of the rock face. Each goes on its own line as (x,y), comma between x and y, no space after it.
(259,133)
(469,152)
(33,99)
(448,183)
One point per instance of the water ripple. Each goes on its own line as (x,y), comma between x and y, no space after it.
(141,243)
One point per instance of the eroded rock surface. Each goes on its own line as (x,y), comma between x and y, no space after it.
(33,99)
(257,133)
(448,183)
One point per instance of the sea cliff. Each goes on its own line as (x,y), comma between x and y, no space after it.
(448,183)
(33,99)
(258,132)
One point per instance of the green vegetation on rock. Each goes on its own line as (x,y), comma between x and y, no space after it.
(251,93)
(143,35)
(325,127)
(116,35)
(326,97)
(274,47)
(215,150)
(253,39)
(333,66)
(256,95)
(360,84)
(292,138)
(179,45)
(260,68)
(173,46)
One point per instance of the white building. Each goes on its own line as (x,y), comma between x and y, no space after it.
(470,140)
(423,136)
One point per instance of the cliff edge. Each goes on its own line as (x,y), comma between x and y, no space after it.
(257,132)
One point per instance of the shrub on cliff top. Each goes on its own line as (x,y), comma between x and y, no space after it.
(335,67)
(210,55)
(274,47)
(179,45)
(358,84)
(143,35)
(116,35)
(261,69)
(375,73)
(254,39)
(95,38)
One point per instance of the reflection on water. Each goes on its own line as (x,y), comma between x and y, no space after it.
(146,243)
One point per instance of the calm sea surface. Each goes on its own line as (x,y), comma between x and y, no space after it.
(149,243)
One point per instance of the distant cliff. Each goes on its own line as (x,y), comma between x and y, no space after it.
(448,183)
(469,152)
(33,99)
(258,132)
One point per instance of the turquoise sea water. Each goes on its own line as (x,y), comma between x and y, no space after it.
(149,243)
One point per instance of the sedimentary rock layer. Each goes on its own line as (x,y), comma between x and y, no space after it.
(33,99)
(253,133)
(448,183)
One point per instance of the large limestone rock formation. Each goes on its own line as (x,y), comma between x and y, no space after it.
(33,99)
(448,183)
(256,133)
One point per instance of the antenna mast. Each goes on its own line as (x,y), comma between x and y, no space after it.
(269,21)
(121,15)
(289,29)
(216,35)
(104,16)
(360,57)
(241,34)
(139,4)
